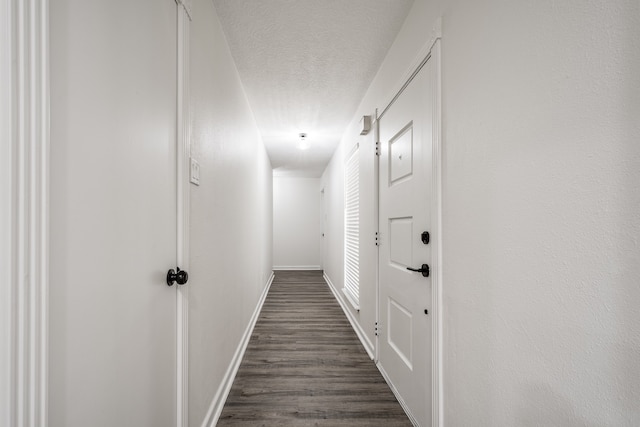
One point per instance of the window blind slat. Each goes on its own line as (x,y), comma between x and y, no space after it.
(352,228)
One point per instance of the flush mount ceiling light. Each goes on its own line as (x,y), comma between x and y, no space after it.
(303,144)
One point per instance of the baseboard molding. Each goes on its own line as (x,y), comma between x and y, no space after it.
(215,409)
(397,395)
(296,267)
(368,346)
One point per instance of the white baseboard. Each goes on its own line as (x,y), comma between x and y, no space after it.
(368,346)
(397,395)
(215,409)
(296,267)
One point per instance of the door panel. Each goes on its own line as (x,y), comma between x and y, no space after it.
(405,201)
(400,236)
(401,155)
(400,332)
(113,213)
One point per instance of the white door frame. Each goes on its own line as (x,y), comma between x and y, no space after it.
(431,51)
(183,161)
(24,212)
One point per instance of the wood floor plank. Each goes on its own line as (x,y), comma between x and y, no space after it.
(304,365)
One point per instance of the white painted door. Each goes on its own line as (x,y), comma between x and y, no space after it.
(405,186)
(113,214)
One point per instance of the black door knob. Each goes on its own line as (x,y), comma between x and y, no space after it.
(424,270)
(180,277)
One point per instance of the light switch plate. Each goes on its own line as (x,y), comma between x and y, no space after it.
(194,176)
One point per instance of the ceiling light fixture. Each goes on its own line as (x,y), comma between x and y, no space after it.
(303,144)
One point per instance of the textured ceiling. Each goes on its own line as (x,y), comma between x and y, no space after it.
(305,66)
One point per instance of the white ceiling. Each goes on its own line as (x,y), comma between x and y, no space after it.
(305,66)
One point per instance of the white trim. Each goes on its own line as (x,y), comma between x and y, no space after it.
(188,7)
(368,346)
(437,393)
(183,155)
(414,67)
(399,398)
(25,212)
(376,219)
(6,209)
(217,404)
(296,267)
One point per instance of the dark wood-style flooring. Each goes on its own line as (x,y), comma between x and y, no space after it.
(305,366)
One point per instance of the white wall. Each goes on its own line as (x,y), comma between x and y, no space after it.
(297,227)
(333,250)
(231,213)
(541,208)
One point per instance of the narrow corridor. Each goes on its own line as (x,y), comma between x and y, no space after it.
(304,365)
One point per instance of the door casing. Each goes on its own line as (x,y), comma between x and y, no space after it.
(183,161)
(24,211)
(431,51)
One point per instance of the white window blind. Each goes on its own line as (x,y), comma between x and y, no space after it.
(352,228)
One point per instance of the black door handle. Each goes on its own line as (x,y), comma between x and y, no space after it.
(180,277)
(424,270)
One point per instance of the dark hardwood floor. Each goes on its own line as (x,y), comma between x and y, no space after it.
(305,366)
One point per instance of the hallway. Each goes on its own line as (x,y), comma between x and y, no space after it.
(305,366)
(232,138)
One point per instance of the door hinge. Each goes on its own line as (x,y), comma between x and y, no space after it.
(377,238)
(377,148)
(376,329)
